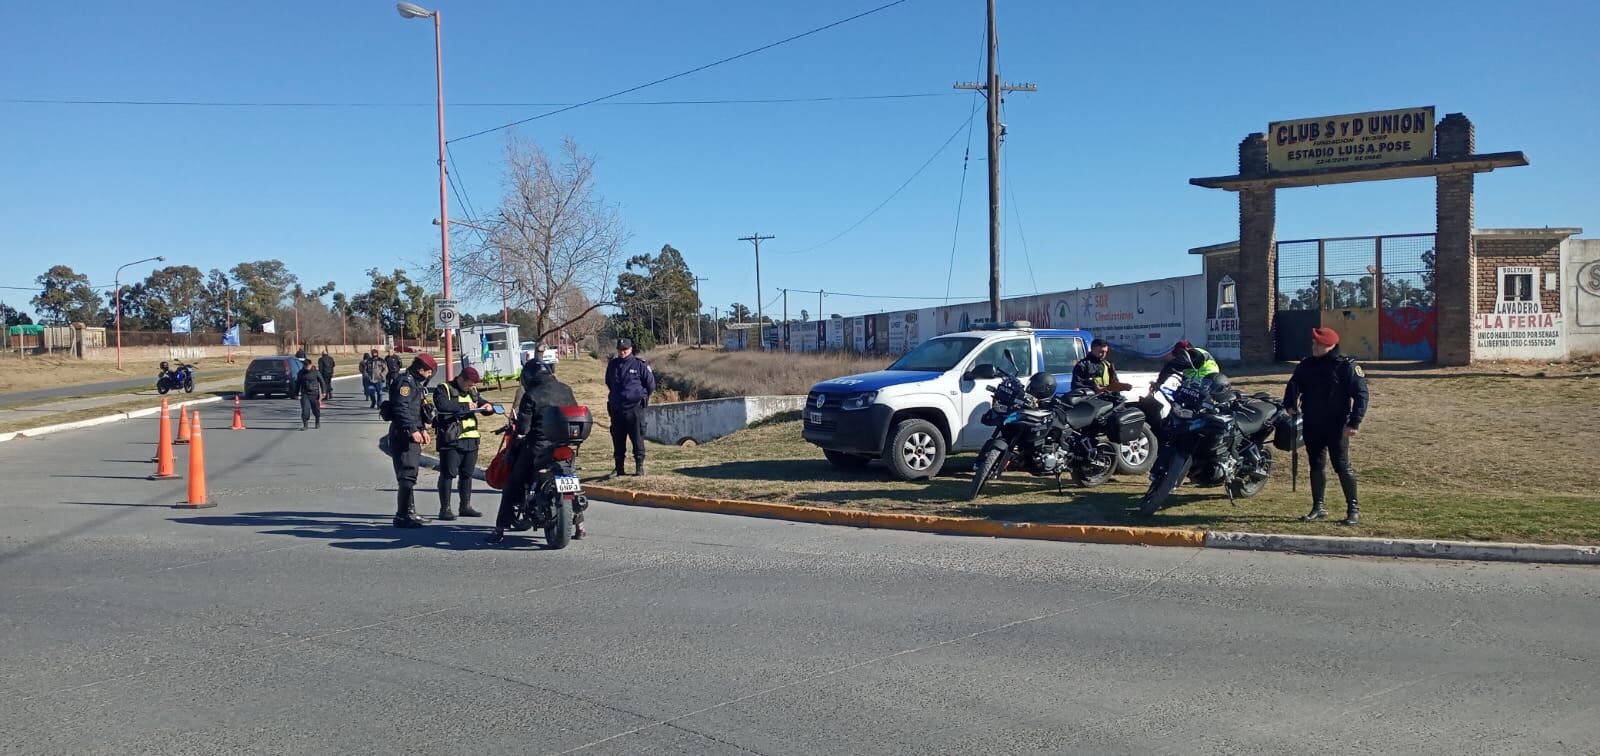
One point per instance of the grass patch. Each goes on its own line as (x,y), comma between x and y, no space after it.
(1443,454)
(72,416)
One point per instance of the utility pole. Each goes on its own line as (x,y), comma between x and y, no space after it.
(784,334)
(757,238)
(699,335)
(716,323)
(993,90)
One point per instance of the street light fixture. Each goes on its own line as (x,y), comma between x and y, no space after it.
(116,280)
(407,10)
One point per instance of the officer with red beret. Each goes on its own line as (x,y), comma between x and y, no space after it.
(1329,390)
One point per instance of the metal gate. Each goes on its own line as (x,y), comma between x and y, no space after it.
(1376,291)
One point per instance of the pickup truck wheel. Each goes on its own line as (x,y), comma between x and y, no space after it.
(846,460)
(1138,456)
(915,450)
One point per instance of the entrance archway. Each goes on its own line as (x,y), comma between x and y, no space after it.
(1346,149)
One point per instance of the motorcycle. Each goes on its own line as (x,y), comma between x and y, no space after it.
(182,377)
(554,499)
(1046,435)
(1218,438)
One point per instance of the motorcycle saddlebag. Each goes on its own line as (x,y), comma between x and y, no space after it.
(1287,432)
(1126,425)
(566,424)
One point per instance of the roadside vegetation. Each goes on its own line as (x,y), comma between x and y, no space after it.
(713,373)
(1500,453)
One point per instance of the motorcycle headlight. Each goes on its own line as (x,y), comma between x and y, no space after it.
(859,401)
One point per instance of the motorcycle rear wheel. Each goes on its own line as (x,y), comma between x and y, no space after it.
(1105,465)
(558,533)
(162,387)
(1177,470)
(987,461)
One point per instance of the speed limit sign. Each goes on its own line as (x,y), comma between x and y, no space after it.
(446,316)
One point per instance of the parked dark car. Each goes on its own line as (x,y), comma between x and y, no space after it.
(272,375)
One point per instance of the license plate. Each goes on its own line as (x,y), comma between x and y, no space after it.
(567,484)
(815,418)
(265,376)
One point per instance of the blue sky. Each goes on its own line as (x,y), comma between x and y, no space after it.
(1135,98)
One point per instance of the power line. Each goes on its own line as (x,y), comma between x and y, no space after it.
(625,103)
(1021,234)
(833,293)
(682,74)
(936,153)
(961,196)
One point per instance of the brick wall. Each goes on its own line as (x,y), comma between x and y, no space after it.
(1454,268)
(1495,252)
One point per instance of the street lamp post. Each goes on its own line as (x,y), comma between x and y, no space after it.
(116,281)
(407,10)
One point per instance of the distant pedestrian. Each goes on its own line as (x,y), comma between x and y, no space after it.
(1329,390)
(309,386)
(374,377)
(408,433)
(629,383)
(325,368)
(458,405)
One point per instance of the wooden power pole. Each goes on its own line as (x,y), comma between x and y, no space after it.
(994,91)
(757,238)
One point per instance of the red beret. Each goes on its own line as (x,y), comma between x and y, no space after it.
(1325,336)
(428,361)
(470,374)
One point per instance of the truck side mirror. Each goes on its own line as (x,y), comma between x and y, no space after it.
(982,372)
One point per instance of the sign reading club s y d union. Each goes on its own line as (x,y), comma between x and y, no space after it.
(1353,139)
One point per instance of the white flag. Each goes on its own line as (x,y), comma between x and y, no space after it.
(268,327)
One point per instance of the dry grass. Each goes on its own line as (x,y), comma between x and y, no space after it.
(1503,452)
(708,373)
(70,416)
(51,371)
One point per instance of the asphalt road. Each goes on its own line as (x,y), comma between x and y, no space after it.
(292,618)
(130,385)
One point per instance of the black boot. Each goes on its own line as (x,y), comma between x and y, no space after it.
(445,513)
(497,536)
(405,515)
(468,511)
(638,467)
(1352,513)
(617,471)
(1316,513)
(319,422)
(302,425)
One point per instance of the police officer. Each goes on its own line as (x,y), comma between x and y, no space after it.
(1329,390)
(309,385)
(1095,372)
(1189,361)
(393,363)
(540,389)
(630,383)
(408,433)
(325,369)
(458,405)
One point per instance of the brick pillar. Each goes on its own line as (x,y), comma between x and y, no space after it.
(1258,256)
(1455,292)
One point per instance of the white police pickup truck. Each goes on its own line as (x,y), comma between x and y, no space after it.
(930,402)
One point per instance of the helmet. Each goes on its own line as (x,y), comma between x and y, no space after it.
(1042,386)
(532,370)
(1215,384)
(164,365)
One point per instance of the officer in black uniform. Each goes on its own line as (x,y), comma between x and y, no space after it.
(1095,372)
(393,363)
(1329,390)
(630,383)
(458,405)
(325,369)
(309,385)
(408,433)
(540,389)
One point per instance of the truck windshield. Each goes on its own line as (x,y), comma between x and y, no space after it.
(936,356)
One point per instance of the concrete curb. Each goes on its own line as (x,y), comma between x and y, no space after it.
(44,430)
(1527,553)
(1487,551)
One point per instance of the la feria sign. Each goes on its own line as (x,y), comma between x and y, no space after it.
(1519,329)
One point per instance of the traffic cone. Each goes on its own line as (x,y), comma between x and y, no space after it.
(166,430)
(238,418)
(184,430)
(197,471)
(164,463)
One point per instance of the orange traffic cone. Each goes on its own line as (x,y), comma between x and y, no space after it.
(164,463)
(197,470)
(184,431)
(238,419)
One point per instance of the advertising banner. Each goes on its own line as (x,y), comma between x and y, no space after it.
(181,323)
(897,332)
(1519,328)
(1350,140)
(1222,338)
(860,340)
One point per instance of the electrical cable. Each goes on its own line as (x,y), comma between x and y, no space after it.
(961,196)
(625,103)
(682,74)
(1017,214)
(832,293)
(936,153)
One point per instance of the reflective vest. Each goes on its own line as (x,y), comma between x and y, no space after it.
(1104,379)
(469,422)
(1207,367)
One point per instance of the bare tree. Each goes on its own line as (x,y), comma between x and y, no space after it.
(555,246)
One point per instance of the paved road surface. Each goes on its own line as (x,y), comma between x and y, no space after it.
(139,386)
(291,618)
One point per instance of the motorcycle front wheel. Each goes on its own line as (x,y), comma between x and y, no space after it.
(988,466)
(188,387)
(558,533)
(1177,470)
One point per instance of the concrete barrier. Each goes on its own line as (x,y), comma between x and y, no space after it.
(711,419)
